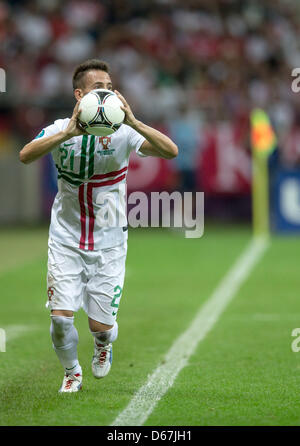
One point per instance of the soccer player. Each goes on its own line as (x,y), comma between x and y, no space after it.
(86,260)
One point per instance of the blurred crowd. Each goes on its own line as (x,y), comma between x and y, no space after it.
(180,64)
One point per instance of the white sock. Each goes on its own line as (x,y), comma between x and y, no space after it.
(65,339)
(106,337)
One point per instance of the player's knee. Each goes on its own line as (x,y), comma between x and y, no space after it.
(60,327)
(107,336)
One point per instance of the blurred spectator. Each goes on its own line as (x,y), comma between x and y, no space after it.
(185,131)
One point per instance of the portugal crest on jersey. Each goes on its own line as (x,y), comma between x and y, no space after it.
(105,142)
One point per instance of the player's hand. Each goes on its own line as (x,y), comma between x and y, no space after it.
(129,116)
(74,128)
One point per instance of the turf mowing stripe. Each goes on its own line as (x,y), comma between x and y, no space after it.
(146,398)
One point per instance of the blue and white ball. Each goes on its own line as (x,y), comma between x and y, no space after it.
(101,113)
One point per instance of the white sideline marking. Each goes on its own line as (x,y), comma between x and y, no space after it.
(146,398)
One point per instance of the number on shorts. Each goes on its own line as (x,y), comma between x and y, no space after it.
(117,294)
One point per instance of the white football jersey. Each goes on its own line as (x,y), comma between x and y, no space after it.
(89,209)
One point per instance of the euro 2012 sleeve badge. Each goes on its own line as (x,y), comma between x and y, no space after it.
(41,134)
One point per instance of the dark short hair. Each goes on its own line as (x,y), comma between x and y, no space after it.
(91,64)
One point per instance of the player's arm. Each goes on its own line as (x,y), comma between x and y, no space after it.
(40,147)
(156,144)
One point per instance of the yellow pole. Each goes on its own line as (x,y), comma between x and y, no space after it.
(263,142)
(260,195)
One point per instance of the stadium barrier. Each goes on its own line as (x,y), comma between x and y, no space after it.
(285,201)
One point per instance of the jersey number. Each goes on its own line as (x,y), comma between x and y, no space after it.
(64,155)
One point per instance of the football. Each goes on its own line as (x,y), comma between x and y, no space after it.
(101,112)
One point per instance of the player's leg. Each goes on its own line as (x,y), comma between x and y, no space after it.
(103,333)
(104,336)
(65,339)
(104,293)
(64,299)
(102,357)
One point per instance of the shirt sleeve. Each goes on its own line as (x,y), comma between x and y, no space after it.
(51,130)
(135,140)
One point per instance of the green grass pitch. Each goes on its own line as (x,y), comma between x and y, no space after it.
(244,372)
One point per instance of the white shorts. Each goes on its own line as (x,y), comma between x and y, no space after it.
(89,279)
